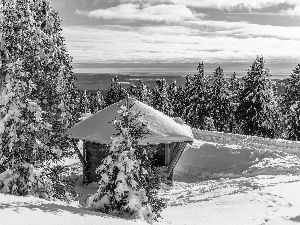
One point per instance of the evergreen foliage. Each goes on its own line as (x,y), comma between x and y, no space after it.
(219,100)
(196,107)
(292,122)
(235,87)
(99,103)
(290,105)
(115,92)
(160,97)
(86,99)
(291,90)
(128,184)
(177,98)
(80,102)
(257,105)
(37,89)
(140,91)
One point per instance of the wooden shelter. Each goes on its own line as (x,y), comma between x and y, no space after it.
(169,135)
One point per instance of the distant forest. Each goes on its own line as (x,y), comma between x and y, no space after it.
(253,105)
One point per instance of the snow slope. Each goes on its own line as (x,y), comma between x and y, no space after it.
(215,183)
(259,200)
(205,160)
(264,199)
(16,210)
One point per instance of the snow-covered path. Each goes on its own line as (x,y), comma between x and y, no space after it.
(256,200)
(253,201)
(15,210)
(256,187)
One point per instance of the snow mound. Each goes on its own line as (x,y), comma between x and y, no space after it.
(206,160)
(247,141)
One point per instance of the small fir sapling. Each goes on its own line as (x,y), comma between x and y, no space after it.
(128,184)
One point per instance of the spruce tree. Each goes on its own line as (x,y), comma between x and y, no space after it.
(128,184)
(160,97)
(172,92)
(140,91)
(292,122)
(290,105)
(219,97)
(87,101)
(37,89)
(132,89)
(291,90)
(115,92)
(99,101)
(196,92)
(177,98)
(235,86)
(257,105)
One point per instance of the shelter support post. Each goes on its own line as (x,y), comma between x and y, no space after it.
(177,152)
(84,167)
(169,154)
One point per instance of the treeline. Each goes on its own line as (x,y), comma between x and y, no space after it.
(252,106)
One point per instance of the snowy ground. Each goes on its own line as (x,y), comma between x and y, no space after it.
(214,184)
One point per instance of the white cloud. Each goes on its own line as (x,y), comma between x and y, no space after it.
(158,13)
(218,42)
(221,4)
(293,12)
(246,30)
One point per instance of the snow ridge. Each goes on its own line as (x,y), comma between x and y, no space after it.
(247,141)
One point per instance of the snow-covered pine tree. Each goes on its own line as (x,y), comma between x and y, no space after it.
(87,101)
(179,102)
(115,92)
(37,89)
(257,109)
(172,91)
(160,97)
(131,90)
(140,91)
(143,92)
(175,93)
(290,105)
(81,101)
(128,185)
(196,105)
(235,86)
(291,90)
(292,122)
(99,101)
(219,100)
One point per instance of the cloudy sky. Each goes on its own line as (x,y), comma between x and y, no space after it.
(173,35)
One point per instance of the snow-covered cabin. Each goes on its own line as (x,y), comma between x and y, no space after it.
(169,135)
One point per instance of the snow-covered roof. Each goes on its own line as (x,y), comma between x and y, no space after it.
(162,128)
